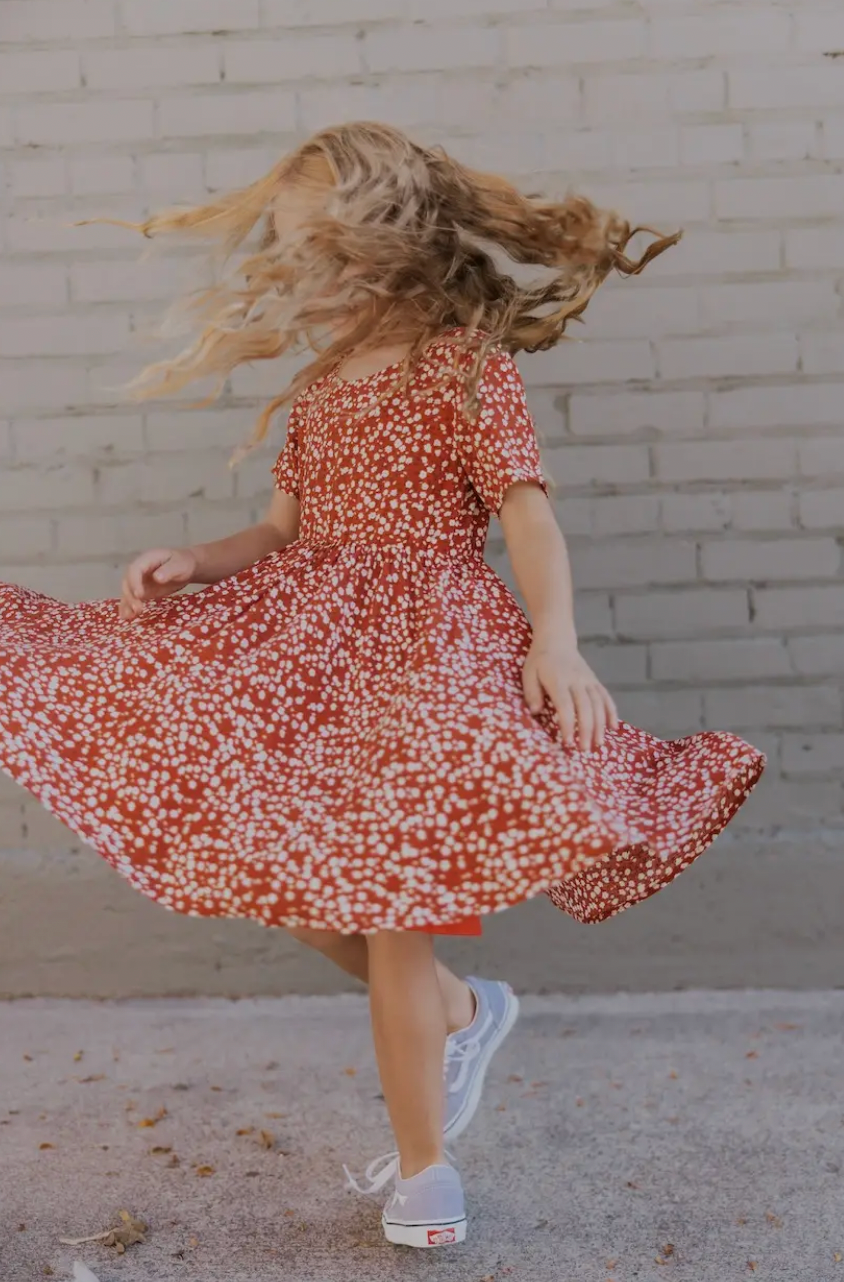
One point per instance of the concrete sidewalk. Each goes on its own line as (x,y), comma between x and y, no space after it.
(690,1136)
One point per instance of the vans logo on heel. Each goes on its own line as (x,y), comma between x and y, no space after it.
(441,1237)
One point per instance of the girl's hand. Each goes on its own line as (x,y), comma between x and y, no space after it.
(584,708)
(155,574)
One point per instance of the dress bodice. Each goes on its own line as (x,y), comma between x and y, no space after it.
(384,460)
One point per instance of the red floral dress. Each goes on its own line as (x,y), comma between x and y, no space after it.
(337,736)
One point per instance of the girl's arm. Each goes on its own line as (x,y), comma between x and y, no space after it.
(162,571)
(554,666)
(225,557)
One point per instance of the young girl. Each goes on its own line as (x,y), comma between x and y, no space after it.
(353,731)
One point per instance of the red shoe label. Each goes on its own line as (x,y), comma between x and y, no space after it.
(441,1237)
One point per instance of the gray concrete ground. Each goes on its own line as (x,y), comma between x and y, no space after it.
(691,1136)
(752,913)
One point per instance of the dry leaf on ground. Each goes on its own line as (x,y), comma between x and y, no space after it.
(146,1122)
(205,1171)
(129,1231)
(267,1140)
(773,1219)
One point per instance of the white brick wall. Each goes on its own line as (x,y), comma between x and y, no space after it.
(694,437)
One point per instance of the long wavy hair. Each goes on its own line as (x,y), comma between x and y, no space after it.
(404,243)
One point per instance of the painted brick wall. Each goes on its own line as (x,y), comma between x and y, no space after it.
(695,437)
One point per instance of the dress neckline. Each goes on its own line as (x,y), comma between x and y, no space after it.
(336,379)
(339,381)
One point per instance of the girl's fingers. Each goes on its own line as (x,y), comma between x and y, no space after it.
(584,709)
(145,567)
(167,572)
(599,714)
(136,574)
(566,715)
(532,687)
(130,606)
(585,718)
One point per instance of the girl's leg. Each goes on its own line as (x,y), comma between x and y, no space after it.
(350,953)
(409,1031)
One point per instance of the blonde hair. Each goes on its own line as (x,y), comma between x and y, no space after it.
(401,246)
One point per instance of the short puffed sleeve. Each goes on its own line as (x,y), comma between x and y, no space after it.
(286,466)
(499,447)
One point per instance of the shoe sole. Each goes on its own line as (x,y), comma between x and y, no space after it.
(426,1236)
(458,1125)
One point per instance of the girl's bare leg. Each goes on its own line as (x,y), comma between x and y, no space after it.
(350,953)
(409,1031)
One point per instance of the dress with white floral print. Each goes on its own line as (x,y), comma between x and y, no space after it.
(337,736)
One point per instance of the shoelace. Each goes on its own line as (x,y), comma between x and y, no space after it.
(463,1053)
(378,1178)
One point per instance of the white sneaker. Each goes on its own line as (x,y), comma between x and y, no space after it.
(468,1054)
(425,1211)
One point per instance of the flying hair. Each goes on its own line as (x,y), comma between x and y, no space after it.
(403,243)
